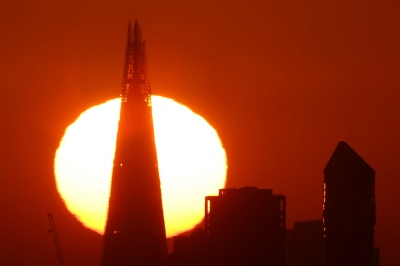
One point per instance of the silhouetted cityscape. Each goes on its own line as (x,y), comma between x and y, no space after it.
(247,226)
(242,226)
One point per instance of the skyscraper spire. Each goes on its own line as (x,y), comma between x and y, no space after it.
(135,230)
(135,67)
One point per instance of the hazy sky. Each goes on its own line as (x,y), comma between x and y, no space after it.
(281,81)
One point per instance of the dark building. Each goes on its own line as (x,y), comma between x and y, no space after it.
(246,227)
(193,250)
(376,256)
(135,230)
(305,244)
(348,209)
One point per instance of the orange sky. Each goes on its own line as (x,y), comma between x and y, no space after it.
(282,82)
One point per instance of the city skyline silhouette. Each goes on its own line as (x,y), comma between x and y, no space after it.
(247,226)
(282,83)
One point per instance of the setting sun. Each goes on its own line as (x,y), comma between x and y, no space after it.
(191,159)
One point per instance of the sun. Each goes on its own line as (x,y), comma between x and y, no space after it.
(191,159)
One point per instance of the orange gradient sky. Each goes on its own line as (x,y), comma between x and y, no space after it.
(282,82)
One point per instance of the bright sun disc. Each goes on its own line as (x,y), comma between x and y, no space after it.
(191,160)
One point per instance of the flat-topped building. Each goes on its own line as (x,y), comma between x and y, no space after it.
(246,226)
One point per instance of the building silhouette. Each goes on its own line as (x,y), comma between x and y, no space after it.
(246,227)
(348,209)
(305,244)
(242,227)
(135,230)
(377,256)
(193,250)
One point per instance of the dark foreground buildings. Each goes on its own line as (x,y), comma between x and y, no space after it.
(348,209)
(345,237)
(242,227)
(247,226)
(135,230)
(305,244)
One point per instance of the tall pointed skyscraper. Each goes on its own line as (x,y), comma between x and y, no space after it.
(349,209)
(135,230)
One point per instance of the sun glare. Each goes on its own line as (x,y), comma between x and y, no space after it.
(191,159)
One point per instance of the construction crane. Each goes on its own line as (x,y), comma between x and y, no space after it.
(53,230)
